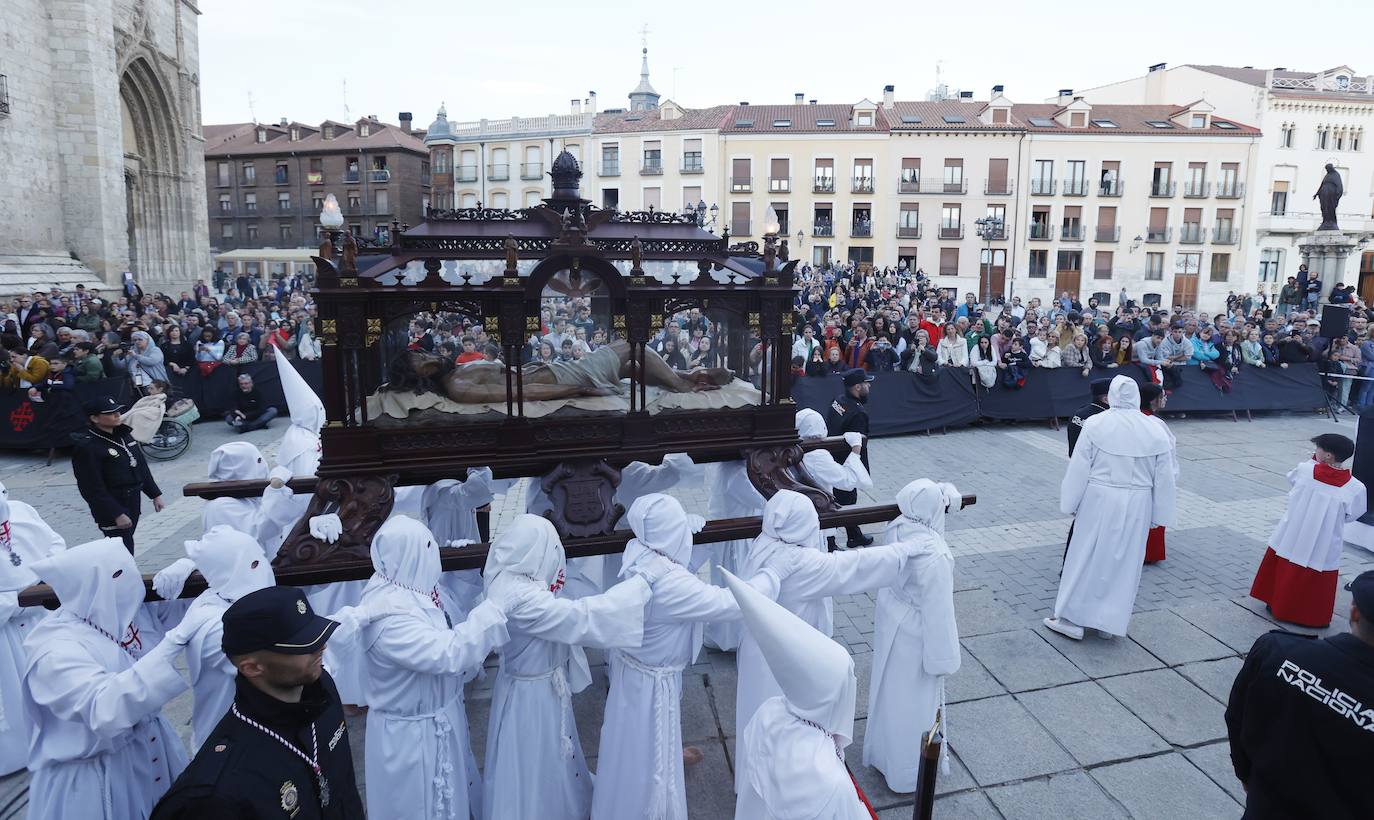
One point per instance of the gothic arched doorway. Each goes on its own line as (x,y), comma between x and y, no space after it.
(153,182)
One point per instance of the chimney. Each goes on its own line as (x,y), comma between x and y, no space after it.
(1065,92)
(812,102)
(743,102)
(997,89)
(1155,81)
(576,106)
(1158,66)
(798,98)
(591,102)
(283,122)
(965,95)
(405,119)
(888,95)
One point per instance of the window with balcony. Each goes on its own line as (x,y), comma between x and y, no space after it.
(533,166)
(441,160)
(739,219)
(998,214)
(1228,181)
(863,176)
(355,201)
(1042,177)
(1161,183)
(499,168)
(823,223)
(780,208)
(223,174)
(315,176)
(741,175)
(1102,265)
(949,261)
(1221,267)
(467,167)
(251,233)
(610,160)
(1076,178)
(825,176)
(379,172)
(226,205)
(1071,227)
(999,182)
(352,171)
(250,203)
(1040,222)
(282,174)
(1224,230)
(283,203)
(909,221)
(1191,231)
(862,223)
(1068,261)
(910,180)
(1039,263)
(1109,180)
(954,176)
(692,159)
(1159,225)
(610,198)
(779,175)
(250,174)
(1154,267)
(1107,230)
(1196,183)
(951,221)
(1278,200)
(653,157)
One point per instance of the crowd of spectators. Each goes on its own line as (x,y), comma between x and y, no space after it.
(54,340)
(888,319)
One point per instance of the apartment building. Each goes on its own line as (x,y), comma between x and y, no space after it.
(266,184)
(1308,119)
(662,158)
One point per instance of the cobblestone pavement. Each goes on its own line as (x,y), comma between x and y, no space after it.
(1039,726)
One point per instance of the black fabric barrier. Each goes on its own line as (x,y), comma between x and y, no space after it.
(901,403)
(31,425)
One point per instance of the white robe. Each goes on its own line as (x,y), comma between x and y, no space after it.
(915,645)
(100,746)
(733,495)
(808,578)
(419,760)
(639,774)
(32,540)
(795,773)
(212,675)
(1311,532)
(1114,499)
(534,763)
(448,508)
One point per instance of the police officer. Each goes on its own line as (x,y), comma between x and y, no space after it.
(1099,388)
(282,750)
(1299,719)
(847,414)
(111,471)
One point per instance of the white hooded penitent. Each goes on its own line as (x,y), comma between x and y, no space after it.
(299,450)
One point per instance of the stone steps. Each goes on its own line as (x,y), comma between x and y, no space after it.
(28,273)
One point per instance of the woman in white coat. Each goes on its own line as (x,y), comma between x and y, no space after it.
(643,726)
(419,760)
(93,693)
(24,539)
(534,762)
(915,638)
(805,577)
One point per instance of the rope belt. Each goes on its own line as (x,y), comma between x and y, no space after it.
(665,777)
(559,678)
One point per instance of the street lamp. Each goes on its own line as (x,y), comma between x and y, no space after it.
(770,238)
(715,212)
(989,228)
(801,238)
(331,218)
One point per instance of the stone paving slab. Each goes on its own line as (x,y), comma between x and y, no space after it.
(1171,705)
(1058,797)
(971,682)
(1062,710)
(1213,677)
(1022,660)
(978,612)
(1235,626)
(962,806)
(1100,659)
(874,784)
(1000,741)
(1174,640)
(1167,787)
(1215,762)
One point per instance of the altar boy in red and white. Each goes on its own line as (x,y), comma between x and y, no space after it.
(1298,575)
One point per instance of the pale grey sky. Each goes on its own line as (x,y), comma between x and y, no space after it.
(530,57)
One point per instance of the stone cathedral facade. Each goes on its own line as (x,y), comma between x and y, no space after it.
(101,150)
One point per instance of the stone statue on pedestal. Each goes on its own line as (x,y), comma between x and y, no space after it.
(1329,193)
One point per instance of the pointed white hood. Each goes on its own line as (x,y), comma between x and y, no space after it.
(789,520)
(529,547)
(816,674)
(97,581)
(299,450)
(1122,429)
(236,461)
(231,561)
(810,425)
(661,527)
(405,557)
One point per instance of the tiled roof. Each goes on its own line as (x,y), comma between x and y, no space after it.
(1130,119)
(627,122)
(941,115)
(803,119)
(240,139)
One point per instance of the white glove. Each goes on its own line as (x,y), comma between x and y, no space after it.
(279,476)
(168,582)
(190,624)
(506,592)
(653,569)
(854,439)
(459,542)
(326,527)
(954,500)
(695,522)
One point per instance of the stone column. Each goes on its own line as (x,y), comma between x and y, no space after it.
(1324,253)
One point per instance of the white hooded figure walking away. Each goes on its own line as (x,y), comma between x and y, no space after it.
(449,509)
(534,763)
(1120,482)
(100,747)
(733,495)
(791,762)
(419,760)
(915,638)
(25,538)
(804,578)
(639,774)
(821,466)
(233,566)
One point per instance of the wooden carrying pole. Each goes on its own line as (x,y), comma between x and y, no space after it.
(932,742)
(474,556)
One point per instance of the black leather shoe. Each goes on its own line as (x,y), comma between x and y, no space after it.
(866,541)
(830,545)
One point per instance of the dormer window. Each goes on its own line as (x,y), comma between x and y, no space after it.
(262,135)
(295,134)
(864,118)
(1197,121)
(999,116)
(364,130)
(329,132)
(1342,82)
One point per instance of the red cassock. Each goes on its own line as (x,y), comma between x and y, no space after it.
(1154,544)
(1299,573)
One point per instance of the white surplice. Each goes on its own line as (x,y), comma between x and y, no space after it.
(30,539)
(915,638)
(1120,482)
(419,760)
(639,774)
(807,576)
(1311,532)
(534,763)
(100,748)
(733,495)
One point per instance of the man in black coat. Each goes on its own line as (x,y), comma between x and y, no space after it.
(282,750)
(111,471)
(1299,720)
(847,414)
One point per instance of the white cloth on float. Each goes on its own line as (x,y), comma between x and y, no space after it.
(419,760)
(534,763)
(1120,482)
(643,724)
(100,747)
(915,637)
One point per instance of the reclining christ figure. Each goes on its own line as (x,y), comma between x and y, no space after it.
(596,374)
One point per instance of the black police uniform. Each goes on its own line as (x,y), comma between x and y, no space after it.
(848,415)
(1300,720)
(1082,414)
(111,471)
(242,772)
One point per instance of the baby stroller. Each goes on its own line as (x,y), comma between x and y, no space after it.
(164,432)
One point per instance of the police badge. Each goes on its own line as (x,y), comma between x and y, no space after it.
(290,798)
